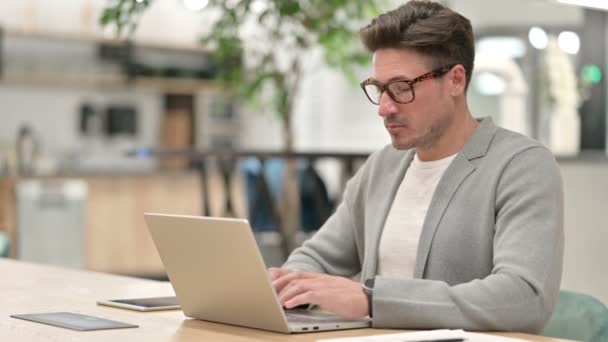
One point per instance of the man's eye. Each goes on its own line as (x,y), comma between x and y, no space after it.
(400,88)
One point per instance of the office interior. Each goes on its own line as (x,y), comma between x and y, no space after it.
(96,130)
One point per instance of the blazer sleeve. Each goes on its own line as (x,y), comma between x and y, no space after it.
(335,247)
(522,289)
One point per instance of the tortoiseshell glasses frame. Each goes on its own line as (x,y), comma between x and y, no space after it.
(401,91)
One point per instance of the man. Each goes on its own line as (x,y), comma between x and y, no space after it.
(457,223)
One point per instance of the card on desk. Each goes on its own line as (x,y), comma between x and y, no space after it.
(74,321)
(439,335)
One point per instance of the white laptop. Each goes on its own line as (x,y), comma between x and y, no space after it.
(218,275)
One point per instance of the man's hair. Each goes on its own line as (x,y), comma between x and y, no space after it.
(428,28)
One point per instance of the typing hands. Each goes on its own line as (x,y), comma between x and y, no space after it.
(334,294)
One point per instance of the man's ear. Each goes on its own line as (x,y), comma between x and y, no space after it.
(457,80)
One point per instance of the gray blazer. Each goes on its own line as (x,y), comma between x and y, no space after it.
(491,247)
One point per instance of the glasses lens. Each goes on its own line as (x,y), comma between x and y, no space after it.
(373,92)
(401,92)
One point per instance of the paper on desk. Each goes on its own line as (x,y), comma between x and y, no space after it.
(429,335)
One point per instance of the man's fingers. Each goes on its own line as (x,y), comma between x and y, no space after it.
(299,287)
(279,283)
(290,290)
(276,272)
(302,298)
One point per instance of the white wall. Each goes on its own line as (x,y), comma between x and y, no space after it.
(334,114)
(503,14)
(260,131)
(586,227)
(53,114)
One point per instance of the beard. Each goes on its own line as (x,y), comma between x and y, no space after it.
(428,139)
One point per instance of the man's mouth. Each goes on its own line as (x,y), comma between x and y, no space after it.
(394,127)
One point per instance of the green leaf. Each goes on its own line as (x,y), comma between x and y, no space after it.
(288,8)
(108,15)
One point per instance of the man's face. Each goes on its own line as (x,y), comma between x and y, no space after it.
(420,123)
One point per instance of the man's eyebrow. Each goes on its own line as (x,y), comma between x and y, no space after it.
(394,78)
(399,78)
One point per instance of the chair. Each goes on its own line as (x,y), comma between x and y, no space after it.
(579,317)
(315,204)
(4,245)
(263,185)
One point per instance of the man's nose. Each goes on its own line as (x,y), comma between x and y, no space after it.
(387,106)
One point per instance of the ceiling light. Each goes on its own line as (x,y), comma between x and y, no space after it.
(538,37)
(569,42)
(598,4)
(195,5)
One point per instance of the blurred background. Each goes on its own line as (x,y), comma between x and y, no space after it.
(95,130)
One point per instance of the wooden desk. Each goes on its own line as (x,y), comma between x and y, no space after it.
(29,288)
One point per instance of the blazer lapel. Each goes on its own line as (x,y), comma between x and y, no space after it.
(447,187)
(453,177)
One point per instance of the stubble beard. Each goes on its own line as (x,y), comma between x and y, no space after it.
(430,138)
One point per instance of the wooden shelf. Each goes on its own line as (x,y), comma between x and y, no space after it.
(173,86)
(164,85)
(104,40)
(47,76)
(61,80)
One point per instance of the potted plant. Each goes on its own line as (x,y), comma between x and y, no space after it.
(259,48)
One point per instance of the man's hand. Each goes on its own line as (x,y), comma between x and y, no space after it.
(276,272)
(338,295)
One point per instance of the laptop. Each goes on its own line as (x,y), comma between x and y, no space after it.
(218,275)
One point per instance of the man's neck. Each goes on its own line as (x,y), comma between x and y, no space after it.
(453,139)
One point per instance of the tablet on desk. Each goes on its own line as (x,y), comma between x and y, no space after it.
(144,304)
(74,321)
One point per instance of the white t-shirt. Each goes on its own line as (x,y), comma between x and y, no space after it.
(401,234)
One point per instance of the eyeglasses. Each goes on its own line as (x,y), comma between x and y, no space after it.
(401,91)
